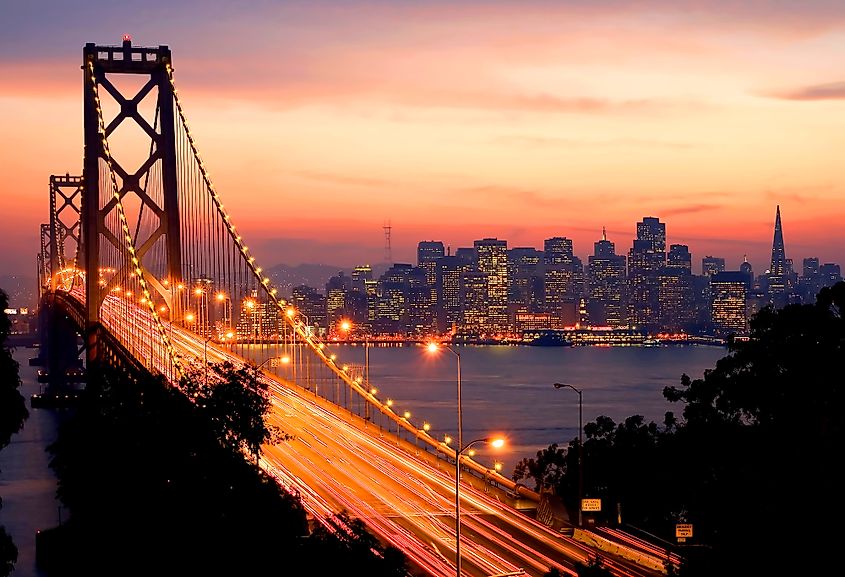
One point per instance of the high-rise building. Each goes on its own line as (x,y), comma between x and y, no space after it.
(746,269)
(676,299)
(448,287)
(312,305)
(525,294)
(365,287)
(607,305)
(830,274)
(780,270)
(559,282)
(492,258)
(710,265)
(675,290)
(392,305)
(679,257)
(428,251)
(336,289)
(728,309)
(646,259)
(475,303)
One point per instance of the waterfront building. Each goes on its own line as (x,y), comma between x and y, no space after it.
(449,270)
(336,289)
(491,256)
(676,300)
(646,259)
(475,303)
(606,273)
(559,281)
(525,274)
(728,290)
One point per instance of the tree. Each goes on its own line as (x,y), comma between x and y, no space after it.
(236,402)
(13,413)
(754,461)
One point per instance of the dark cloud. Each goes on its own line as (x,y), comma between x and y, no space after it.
(689,209)
(547,142)
(829,91)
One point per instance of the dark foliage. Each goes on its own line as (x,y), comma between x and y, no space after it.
(154,488)
(753,463)
(152,491)
(13,413)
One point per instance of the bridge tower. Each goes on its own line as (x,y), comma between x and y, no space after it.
(100,195)
(65,199)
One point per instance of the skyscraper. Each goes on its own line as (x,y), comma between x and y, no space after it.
(728,309)
(428,251)
(646,259)
(492,258)
(780,270)
(559,281)
(607,287)
(449,271)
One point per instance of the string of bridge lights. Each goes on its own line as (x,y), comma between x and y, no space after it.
(290,314)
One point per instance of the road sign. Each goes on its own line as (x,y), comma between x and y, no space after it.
(591,504)
(683,530)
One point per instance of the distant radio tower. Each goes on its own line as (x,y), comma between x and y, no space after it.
(388,256)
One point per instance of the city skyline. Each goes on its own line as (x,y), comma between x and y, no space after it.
(461,121)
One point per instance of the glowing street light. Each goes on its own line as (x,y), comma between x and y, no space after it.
(346,326)
(496,443)
(580,448)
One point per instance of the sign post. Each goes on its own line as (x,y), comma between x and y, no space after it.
(683,531)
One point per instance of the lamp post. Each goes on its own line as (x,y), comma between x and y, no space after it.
(433,348)
(346,327)
(580,448)
(495,443)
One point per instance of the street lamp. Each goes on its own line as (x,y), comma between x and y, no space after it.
(580,448)
(346,327)
(494,442)
(433,348)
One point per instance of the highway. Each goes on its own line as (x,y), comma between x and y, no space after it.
(337,462)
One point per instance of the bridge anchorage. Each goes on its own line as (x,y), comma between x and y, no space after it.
(143,265)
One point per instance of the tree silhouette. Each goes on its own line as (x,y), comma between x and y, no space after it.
(754,460)
(13,413)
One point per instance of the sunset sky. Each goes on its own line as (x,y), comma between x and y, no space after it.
(520,120)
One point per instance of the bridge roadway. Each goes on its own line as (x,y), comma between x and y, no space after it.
(338,462)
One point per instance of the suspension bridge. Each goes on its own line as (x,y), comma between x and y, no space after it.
(141,259)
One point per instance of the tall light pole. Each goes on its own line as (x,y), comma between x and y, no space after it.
(346,326)
(497,443)
(580,448)
(433,348)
